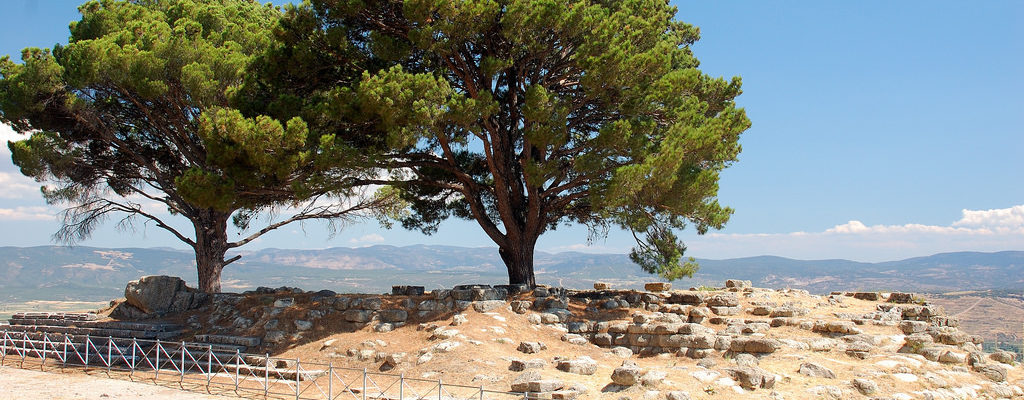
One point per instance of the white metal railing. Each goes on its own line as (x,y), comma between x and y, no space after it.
(196,366)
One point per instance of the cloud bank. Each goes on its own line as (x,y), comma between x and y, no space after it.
(976,230)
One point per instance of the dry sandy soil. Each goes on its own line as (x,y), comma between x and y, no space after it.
(23,384)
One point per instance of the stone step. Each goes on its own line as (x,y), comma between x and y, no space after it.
(56,316)
(218,347)
(125,325)
(247,341)
(288,374)
(95,332)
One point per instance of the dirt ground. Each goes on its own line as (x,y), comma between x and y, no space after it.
(23,384)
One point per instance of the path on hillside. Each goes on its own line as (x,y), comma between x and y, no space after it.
(971,307)
(24,384)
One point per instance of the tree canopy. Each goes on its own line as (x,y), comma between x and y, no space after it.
(524,114)
(142,105)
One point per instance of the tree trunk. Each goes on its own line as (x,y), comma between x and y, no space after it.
(518,258)
(211,246)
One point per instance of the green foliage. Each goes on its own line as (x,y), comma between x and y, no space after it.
(143,103)
(521,114)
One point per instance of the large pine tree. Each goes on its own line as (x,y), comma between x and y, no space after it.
(137,108)
(523,114)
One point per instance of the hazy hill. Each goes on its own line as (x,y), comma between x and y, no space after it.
(52,272)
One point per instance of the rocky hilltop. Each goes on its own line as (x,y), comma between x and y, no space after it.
(735,341)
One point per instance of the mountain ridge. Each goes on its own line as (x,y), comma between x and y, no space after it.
(100,273)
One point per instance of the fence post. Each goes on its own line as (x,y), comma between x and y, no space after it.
(330,380)
(110,353)
(209,366)
(182,366)
(297,369)
(440,388)
(266,376)
(131,369)
(401,386)
(46,338)
(24,348)
(364,383)
(86,362)
(481,392)
(3,355)
(156,368)
(238,365)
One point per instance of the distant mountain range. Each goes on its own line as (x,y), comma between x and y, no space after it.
(89,273)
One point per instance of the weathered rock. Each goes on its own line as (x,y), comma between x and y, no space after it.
(1004,357)
(653,378)
(754,345)
(531,347)
(912,327)
(745,360)
(901,298)
(723,300)
(284,302)
(274,337)
(303,325)
(677,395)
(725,311)
(161,294)
(788,312)
(826,392)
(602,286)
(488,305)
(521,383)
(404,290)
(395,315)
(657,286)
(864,386)
(816,371)
(520,306)
(994,372)
(582,365)
(751,377)
(952,357)
(522,365)
(736,283)
(870,296)
(859,349)
(394,359)
(545,385)
(691,298)
(358,316)
(628,374)
(622,352)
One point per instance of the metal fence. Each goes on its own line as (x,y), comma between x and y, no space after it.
(199,367)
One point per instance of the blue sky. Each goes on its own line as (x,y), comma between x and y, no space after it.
(881,130)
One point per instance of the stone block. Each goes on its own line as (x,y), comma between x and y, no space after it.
(405,290)
(581,366)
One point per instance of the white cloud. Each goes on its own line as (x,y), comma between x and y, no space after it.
(27,214)
(974,222)
(1002,218)
(370,238)
(8,134)
(977,230)
(17,186)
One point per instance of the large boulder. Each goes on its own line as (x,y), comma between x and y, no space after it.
(161,294)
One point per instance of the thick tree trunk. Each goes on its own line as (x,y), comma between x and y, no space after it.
(211,246)
(518,258)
